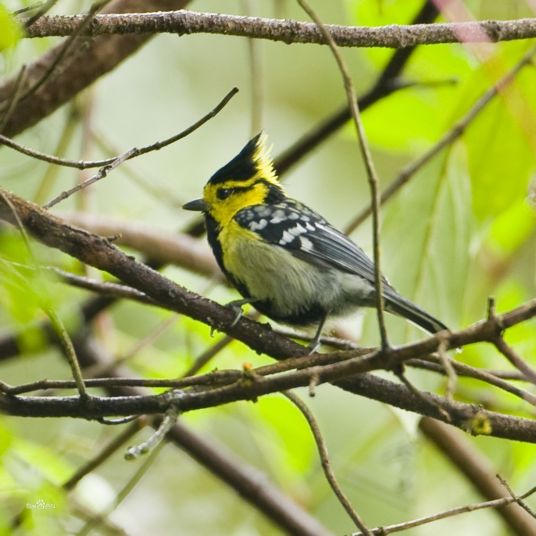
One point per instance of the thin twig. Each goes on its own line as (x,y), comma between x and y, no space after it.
(102,173)
(67,135)
(68,348)
(81,164)
(450,371)
(492,377)
(106,288)
(324,460)
(201,360)
(518,500)
(335,342)
(46,6)
(168,421)
(26,9)
(496,503)
(369,165)
(447,139)
(422,396)
(510,354)
(162,195)
(477,469)
(14,98)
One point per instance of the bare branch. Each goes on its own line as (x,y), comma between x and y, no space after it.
(70,44)
(102,173)
(289,31)
(155,439)
(249,482)
(515,359)
(496,503)
(518,500)
(489,377)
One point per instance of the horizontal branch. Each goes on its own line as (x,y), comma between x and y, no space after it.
(470,418)
(288,31)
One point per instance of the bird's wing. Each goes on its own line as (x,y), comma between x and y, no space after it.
(307,235)
(311,238)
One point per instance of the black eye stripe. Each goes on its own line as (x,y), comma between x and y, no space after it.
(224,193)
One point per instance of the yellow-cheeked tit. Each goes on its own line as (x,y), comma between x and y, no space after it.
(284,258)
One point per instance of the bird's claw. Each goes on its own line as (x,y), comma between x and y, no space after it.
(236,307)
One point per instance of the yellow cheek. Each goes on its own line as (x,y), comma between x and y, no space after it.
(223,210)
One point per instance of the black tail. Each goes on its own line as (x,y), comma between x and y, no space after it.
(394,303)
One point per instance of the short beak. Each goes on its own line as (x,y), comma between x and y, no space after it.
(197,204)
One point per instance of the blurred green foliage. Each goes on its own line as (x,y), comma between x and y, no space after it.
(10,31)
(460,231)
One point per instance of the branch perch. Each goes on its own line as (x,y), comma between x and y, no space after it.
(288,31)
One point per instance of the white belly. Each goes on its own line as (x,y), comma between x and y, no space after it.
(292,285)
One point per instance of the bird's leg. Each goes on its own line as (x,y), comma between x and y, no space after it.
(315,343)
(236,306)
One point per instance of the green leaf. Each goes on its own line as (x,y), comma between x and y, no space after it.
(501,161)
(283,421)
(10,30)
(24,288)
(512,228)
(426,236)
(48,463)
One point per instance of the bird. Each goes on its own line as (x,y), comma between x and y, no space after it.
(284,258)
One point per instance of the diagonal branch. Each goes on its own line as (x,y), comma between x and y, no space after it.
(387,83)
(90,59)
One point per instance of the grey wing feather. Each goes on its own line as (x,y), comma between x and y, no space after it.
(307,235)
(334,248)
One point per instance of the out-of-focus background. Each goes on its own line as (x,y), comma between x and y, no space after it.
(461,230)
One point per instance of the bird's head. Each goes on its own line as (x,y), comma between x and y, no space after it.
(248,179)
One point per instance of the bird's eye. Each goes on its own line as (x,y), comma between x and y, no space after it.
(224,193)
